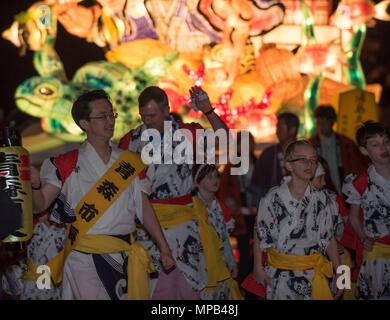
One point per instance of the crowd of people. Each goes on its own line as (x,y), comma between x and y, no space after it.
(111,225)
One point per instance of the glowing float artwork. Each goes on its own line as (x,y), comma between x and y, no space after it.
(355,15)
(219,23)
(176,44)
(312,60)
(50,96)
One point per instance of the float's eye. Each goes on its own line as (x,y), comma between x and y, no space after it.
(46,91)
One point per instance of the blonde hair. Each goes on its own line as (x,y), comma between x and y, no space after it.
(291,148)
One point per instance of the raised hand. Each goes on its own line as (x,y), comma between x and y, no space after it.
(201,99)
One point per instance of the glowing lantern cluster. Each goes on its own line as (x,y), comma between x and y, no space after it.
(261,124)
(231,115)
(196,76)
(316,58)
(275,72)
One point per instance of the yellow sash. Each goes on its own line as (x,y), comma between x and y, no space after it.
(171,215)
(138,268)
(139,265)
(30,271)
(380,251)
(93,205)
(320,287)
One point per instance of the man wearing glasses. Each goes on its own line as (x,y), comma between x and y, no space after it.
(97,193)
(295,229)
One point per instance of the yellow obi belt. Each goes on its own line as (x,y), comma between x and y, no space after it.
(322,269)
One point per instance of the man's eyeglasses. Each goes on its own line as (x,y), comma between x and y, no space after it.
(305,161)
(110,116)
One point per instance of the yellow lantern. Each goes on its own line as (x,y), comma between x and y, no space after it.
(15,188)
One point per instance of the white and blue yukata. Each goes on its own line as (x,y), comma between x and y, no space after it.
(167,181)
(222,229)
(94,276)
(338,222)
(44,245)
(294,227)
(374,276)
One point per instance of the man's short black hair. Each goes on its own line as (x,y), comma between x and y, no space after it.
(368,130)
(291,120)
(81,109)
(153,93)
(325,111)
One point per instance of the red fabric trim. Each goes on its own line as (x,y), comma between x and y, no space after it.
(350,238)
(384,240)
(25,161)
(35,221)
(250,285)
(359,255)
(343,207)
(24,175)
(361,182)
(125,141)
(192,127)
(65,164)
(142,174)
(183,200)
(227,213)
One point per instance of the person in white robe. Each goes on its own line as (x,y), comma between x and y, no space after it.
(295,220)
(86,275)
(370,192)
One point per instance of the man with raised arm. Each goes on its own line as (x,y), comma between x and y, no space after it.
(170,186)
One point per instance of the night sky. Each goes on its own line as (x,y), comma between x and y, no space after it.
(75,52)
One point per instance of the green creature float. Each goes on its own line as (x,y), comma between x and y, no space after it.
(50,95)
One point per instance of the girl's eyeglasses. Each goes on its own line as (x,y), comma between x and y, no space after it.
(305,161)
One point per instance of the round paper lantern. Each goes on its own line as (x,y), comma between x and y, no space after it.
(276,72)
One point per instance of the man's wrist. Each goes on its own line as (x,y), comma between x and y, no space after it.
(37,188)
(209,112)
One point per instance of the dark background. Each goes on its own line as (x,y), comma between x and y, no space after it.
(75,52)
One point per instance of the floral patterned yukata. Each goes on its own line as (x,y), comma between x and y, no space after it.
(294,227)
(374,277)
(166,181)
(222,229)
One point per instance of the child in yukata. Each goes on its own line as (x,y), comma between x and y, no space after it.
(322,181)
(206,180)
(295,228)
(370,191)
